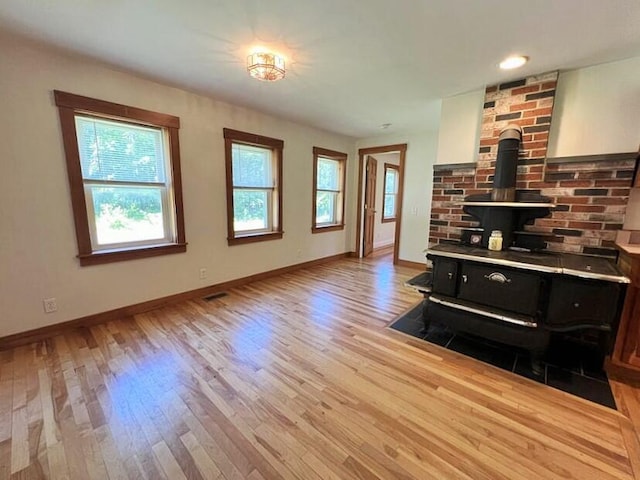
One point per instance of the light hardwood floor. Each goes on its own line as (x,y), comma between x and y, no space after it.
(293,377)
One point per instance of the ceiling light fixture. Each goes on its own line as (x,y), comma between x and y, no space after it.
(266,66)
(512,62)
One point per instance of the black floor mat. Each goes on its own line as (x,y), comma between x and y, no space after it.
(569,366)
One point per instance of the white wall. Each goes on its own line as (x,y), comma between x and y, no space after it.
(460,122)
(418,184)
(597,110)
(37,239)
(383,233)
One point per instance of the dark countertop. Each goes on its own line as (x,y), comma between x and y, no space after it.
(584,266)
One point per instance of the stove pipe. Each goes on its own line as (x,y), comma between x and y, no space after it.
(504,179)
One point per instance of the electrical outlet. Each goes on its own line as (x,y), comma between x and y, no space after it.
(49,305)
(203,273)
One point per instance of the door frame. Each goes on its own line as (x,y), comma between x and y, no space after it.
(401,148)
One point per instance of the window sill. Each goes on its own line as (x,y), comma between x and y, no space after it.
(327,228)
(388,220)
(97,258)
(259,237)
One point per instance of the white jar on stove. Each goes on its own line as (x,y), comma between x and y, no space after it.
(495,240)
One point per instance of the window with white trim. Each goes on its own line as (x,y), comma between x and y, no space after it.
(123,163)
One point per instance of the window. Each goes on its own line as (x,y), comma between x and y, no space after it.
(389,202)
(254,187)
(123,165)
(328,190)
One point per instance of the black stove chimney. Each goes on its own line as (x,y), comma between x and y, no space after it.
(504,179)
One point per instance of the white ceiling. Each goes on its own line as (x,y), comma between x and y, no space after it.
(352,65)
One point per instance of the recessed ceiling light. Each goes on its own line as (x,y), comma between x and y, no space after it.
(384,126)
(516,61)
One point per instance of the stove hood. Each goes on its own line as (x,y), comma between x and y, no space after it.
(505,208)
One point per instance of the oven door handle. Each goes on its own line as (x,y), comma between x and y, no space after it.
(497,277)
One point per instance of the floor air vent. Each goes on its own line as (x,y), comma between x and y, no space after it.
(214,296)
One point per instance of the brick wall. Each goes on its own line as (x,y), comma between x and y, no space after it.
(591,193)
(591,200)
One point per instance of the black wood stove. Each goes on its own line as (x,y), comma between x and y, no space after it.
(522,294)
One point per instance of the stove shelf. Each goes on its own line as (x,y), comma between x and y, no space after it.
(509,204)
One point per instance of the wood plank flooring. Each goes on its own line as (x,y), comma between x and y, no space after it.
(295,377)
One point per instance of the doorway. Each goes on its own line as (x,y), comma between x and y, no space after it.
(380,192)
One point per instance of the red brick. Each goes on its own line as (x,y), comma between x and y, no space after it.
(452,180)
(491,89)
(442,198)
(622,192)
(542,185)
(536,168)
(609,200)
(534,145)
(484,171)
(613,183)
(538,112)
(588,208)
(524,122)
(437,235)
(595,175)
(549,85)
(573,200)
(586,225)
(574,183)
(527,138)
(437,191)
(486,142)
(539,153)
(541,136)
(547,222)
(518,107)
(527,89)
(529,176)
(464,224)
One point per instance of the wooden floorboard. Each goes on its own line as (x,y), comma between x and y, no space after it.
(294,377)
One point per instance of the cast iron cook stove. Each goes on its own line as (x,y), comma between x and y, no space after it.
(520,297)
